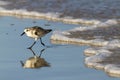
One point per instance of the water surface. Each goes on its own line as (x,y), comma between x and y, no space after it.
(66,61)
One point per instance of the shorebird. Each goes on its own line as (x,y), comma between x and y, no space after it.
(36,33)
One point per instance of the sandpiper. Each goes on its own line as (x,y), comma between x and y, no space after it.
(36,33)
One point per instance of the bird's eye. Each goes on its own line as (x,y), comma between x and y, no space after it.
(27,30)
(36,33)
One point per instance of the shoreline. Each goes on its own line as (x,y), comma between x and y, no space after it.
(49,16)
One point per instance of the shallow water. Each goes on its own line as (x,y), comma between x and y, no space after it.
(66,61)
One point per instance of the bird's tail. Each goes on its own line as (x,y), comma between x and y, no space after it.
(48,30)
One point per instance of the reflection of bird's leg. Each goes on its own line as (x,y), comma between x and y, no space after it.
(42,42)
(41,52)
(22,63)
(32,45)
(32,51)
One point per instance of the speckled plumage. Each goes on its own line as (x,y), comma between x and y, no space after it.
(36,32)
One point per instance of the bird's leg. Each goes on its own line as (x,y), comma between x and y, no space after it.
(42,42)
(32,45)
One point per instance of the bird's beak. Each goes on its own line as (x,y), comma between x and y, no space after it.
(23,33)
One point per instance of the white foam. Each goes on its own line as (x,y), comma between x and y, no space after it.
(98,41)
(113,70)
(109,22)
(96,60)
(113,44)
(60,36)
(39,9)
(95,51)
(96,56)
(112,67)
(92,62)
(90,51)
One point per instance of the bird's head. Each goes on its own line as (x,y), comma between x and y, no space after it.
(25,31)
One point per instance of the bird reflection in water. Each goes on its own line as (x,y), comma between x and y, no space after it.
(35,61)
